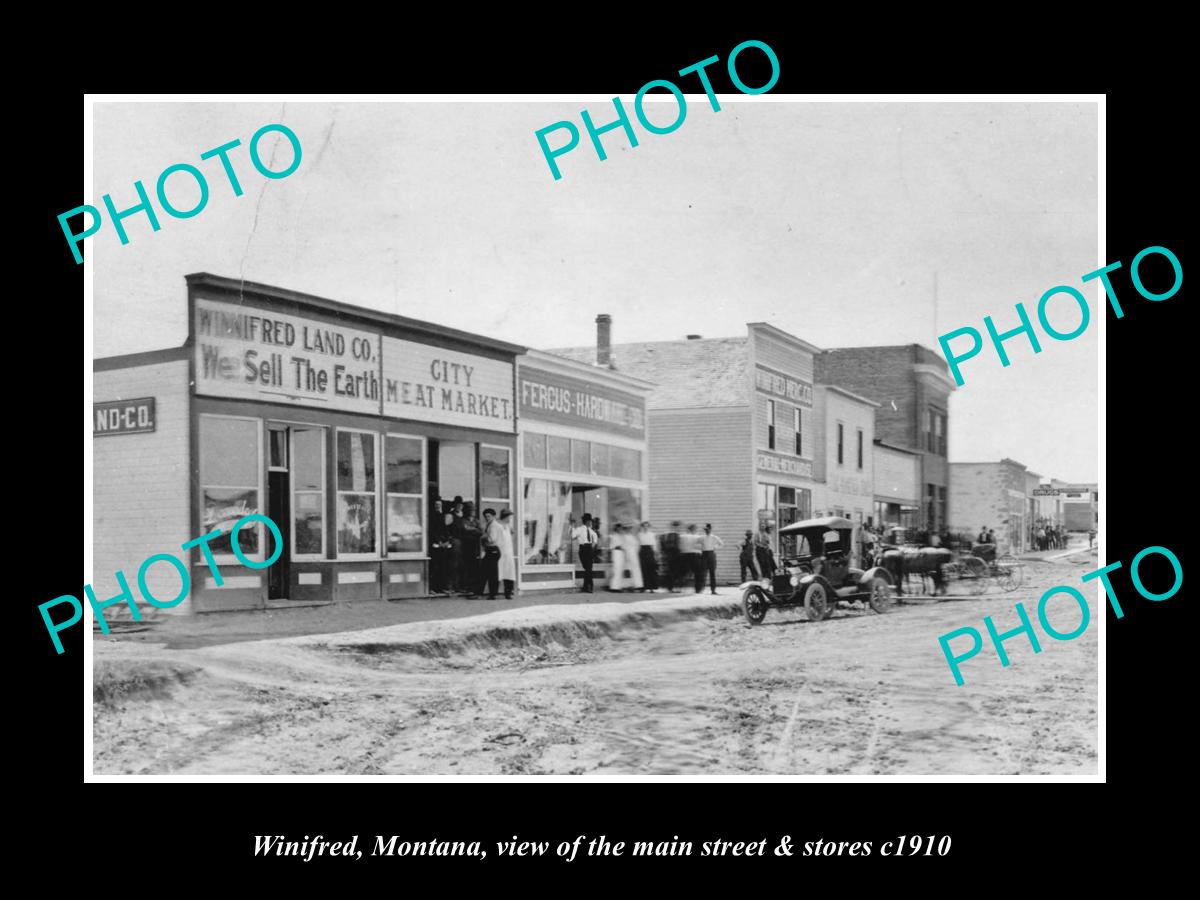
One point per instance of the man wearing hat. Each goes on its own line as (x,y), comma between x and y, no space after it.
(587,537)
(472,532)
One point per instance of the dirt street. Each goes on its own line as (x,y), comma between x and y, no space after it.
(858,693)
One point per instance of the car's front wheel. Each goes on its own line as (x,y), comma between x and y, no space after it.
(754,605)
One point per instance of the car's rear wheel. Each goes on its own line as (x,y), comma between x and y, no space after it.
(881,594)
(754,605)
(817,602)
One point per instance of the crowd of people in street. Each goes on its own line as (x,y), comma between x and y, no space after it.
(470,557)
(1048,537)
(642,560)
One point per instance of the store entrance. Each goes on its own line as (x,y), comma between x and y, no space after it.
(278,509)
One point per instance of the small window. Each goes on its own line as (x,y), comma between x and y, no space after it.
(535,450)
(799,434)
(770,424)
(841,440)
(860,448)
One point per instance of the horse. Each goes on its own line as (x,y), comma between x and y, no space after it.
(923,560)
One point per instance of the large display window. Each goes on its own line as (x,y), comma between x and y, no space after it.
(231,483)
(357,534)
(404,458)
(551,508)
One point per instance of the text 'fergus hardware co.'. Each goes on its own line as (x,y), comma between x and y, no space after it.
(622,119)
(144,204)
(1026,327)
(180,566)
(1026,626)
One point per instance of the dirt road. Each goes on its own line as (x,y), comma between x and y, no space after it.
(858,693)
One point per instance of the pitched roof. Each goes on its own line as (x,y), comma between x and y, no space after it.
(688,374)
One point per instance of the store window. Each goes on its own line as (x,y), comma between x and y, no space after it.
(231,483)
(308,492)
(535,450)
(626,463)
(550,509)
(581,457)
(559,454)
(770,424)
(405,477)
(600,461)
(494,478)
(356,514)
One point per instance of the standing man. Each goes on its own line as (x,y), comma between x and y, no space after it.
(746,558)
(587,540)
(671,560)
(690,554)
(489,541)
(709,545)
(472,532)
(507,561)
(646,546)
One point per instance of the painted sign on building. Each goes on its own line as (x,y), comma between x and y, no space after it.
(786,465)
(251,354)
(780,385)
(433,384)
(572,401)
(123,417)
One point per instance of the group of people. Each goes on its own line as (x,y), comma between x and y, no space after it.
(641,561)
(756,557)
(468,556)
(1049,537)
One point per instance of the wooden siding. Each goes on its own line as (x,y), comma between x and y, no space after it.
(701,470)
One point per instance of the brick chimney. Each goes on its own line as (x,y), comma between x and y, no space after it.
(604,340)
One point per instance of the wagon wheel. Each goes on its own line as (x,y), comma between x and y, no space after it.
(816,601)
(1009,573)
(977,583)
(881,594)
(754,605)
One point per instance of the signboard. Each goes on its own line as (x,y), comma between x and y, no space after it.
(123,417)
(436,385)
(252,354)
(1046,492)
(573,401)
(780,385)
(786,465)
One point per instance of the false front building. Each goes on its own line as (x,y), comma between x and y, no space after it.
(341,424)
(732,433)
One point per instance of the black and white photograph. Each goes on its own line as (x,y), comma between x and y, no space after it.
(715,435)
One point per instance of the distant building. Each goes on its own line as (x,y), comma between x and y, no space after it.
(992,494)
(1080,506)
(732,432)
(845,471)
(897,484)
(912,386)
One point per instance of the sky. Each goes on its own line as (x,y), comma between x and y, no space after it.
(845,224)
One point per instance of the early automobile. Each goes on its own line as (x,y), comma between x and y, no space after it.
(817,574)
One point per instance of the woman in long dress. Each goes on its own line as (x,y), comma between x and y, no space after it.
(508,564)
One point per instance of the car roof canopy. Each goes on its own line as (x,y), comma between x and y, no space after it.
(835,522)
